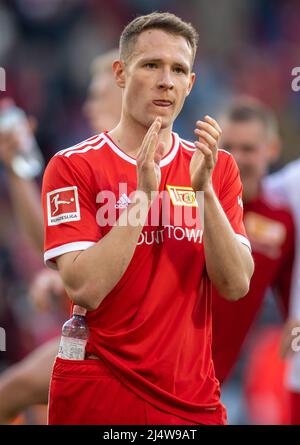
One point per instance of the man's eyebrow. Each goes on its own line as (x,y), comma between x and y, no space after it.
(150,59)
(158,60)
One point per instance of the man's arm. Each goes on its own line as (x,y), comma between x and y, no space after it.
(229,263)
(90,275)
(25,194)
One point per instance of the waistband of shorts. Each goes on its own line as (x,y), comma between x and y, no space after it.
(88,367)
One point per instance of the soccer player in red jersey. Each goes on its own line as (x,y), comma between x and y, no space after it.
(250,133)
(146,284)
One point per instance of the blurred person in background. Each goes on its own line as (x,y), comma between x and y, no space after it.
(285,185)
(103,104)
(250,133)
(27,382)
(24,193)
(22,384)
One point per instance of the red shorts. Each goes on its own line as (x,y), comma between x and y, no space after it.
(295,408)
(85,392)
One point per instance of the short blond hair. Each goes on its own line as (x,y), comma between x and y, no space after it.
(157,20)
(103,63)
(246,108)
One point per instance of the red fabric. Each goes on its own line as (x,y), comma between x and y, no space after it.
(86,382)
(267,399)
(295,408)
(271,232)
(154,328)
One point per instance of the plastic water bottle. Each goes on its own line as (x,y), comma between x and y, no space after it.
(28,162)
(75,333)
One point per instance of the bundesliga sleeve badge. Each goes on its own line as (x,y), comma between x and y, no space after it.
(63,206)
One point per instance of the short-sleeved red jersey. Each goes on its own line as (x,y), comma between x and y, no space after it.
(154,328)
(270,229)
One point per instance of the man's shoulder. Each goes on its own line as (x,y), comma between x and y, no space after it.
(188,147)
(84,149)
(82,158)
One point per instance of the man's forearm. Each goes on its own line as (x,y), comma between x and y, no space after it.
(229,264)
(26,202)
(91,274)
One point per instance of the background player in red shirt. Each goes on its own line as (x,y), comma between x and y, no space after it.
(250,133)
(150,317)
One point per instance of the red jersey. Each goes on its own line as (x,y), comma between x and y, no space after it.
(154,328)
(270,229)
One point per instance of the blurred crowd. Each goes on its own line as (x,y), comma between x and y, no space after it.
(46,49)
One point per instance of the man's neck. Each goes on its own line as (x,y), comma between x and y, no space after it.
(251,192)
(129,136)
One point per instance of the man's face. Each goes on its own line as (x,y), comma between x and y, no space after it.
(103,105)
(157,77)
(250,146)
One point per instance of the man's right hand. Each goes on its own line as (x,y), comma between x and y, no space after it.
(9,145)
(148,159)
(47,291)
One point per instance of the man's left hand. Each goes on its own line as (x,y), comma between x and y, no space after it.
(205,157)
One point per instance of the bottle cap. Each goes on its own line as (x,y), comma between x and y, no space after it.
(78,310)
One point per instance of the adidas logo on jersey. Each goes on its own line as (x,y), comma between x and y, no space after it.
(123,202)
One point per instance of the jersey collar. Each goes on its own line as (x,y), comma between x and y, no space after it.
(165,160)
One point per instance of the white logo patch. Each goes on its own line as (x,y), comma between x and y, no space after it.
(63,206)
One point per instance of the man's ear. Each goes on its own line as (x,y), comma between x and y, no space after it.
(191,83)
(274,149)
(118,68)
